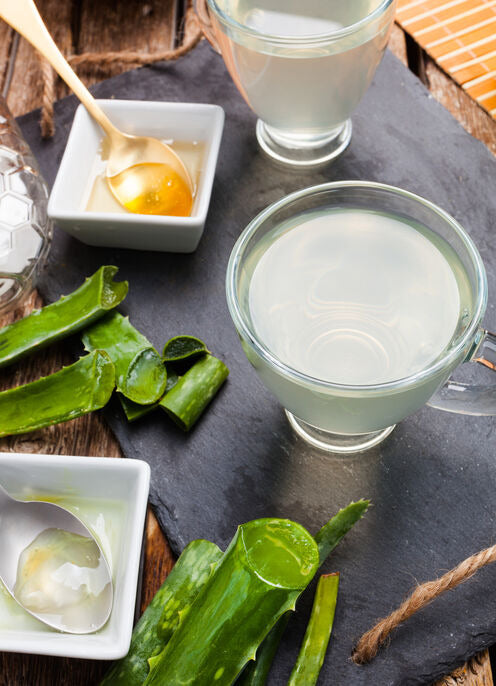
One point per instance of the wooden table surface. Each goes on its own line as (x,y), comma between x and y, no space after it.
(99,25)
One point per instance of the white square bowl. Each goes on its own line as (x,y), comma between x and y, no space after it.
(163,120)
(109,479)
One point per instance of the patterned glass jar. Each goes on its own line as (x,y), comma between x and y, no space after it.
(25,229)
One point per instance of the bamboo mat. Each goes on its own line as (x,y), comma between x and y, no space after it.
(460,35)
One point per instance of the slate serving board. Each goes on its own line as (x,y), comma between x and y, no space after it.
(433,482)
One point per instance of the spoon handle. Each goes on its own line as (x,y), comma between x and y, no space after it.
(23,16)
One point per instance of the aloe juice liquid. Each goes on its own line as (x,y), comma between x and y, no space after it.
(305,90)
(356,297)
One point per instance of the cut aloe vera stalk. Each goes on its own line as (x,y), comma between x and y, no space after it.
(260,576)
(140,373)
(327,538)
(313,649)
(170,604)
(182,348)
(186,401)
(71,392)
(71,313)
(134,411)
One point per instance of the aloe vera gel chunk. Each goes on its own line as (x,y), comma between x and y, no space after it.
(267,565)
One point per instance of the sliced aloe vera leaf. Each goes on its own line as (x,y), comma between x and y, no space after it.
(260,576)
(182,348)
(327,538)
(186,401)
(71,392)
(73,312)
(140,373)
(134,411)
(155,627)
(313,649)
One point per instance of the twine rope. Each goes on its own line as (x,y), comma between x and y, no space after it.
(368,645)
(192,34)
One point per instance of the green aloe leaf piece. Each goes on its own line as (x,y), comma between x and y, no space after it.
(71,392)
(188,576)
(186,401)
(183,348)
(327,538)
(313,649)
(73,312)
(260,576)
(134,411)
(140,373)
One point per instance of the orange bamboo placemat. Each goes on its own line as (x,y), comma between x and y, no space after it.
(460,35)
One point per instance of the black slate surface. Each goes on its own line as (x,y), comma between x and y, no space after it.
(433,482)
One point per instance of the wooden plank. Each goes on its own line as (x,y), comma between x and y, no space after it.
(470,115)
(6,36)
(476,672)
(25,92)
(132,25)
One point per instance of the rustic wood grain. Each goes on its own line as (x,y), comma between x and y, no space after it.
(476,672)
(26,88)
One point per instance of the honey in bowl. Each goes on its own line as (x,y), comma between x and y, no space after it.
(180,203)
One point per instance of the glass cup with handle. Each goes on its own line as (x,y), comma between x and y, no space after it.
(302,67)
(354,302)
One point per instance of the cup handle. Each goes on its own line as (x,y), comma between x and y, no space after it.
(471,399)
(205,23)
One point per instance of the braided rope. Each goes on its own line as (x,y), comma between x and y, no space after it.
(371,641)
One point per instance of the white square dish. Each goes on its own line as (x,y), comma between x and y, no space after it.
(117,486)
(163,120)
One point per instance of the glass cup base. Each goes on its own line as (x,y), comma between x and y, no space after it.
(303,151)
(337,443)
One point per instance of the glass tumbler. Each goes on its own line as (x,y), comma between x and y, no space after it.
(341,417)
(25,229)
(302,67)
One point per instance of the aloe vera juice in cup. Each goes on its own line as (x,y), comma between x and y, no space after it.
(302,67)
(355,297)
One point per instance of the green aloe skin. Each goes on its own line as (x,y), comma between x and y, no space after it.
(98,294)
(71,392)
(182,348)
(327,538)
(313,649)
(169,605)
(194,377)
(260,576)
(140,373)
(189,397)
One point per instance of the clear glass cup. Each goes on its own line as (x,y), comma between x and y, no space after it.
(25,229)
(350,418)
(304,87)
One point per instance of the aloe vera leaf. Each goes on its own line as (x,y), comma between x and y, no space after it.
(260,576)
(331,533)
(256,672)
(134,411)
(98,294)
(313,649)
(190,573)
(71,392)
(182,348)
(195,389)
(140,373)
(327,538)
